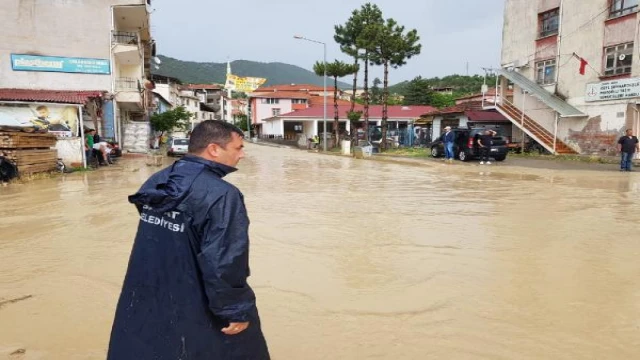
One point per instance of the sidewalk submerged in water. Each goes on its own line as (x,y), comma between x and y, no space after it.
(550,163)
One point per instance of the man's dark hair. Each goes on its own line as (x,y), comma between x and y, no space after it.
(42,107)
(211,132)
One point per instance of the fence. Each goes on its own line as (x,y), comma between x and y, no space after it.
(125,83)
(125,38)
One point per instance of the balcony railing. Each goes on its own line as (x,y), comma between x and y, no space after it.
(127,84)
(125,38)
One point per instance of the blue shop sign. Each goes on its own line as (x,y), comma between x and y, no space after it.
(60,64)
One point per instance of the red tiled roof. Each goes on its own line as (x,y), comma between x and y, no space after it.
(294,87)
(203,87)
(49,96)
(457,109)
(375,111)
(319,101)
(485,116)
(280,95)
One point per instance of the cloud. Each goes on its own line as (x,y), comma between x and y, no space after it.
(452,32)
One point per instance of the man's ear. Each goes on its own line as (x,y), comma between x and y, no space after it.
(213,150)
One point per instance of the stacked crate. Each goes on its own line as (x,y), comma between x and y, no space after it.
(31,153)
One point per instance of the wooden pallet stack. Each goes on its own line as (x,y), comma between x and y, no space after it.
(30,152)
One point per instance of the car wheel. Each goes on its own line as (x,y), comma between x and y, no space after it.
(462,155)
(435,152)
(169,154)
(500,158)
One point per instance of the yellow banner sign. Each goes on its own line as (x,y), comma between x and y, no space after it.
(243,84)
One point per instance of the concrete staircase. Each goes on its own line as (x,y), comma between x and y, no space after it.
(534,130)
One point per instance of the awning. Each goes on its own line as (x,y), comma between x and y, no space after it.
(486,116)
(49,96)
(423,120)
(552,101)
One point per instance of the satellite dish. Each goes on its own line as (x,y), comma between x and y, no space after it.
(622,57)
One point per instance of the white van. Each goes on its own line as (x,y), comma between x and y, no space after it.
(178,146)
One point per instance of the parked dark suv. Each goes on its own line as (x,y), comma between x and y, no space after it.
(466,145)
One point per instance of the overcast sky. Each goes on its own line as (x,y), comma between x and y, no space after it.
(452,32)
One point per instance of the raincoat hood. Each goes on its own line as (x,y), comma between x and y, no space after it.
(167,193)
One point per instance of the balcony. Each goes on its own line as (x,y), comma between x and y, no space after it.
(133,18)
(128,90)
(126,47)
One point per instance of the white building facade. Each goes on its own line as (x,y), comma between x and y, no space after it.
(575,72)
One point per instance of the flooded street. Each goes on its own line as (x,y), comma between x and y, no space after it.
(354,259)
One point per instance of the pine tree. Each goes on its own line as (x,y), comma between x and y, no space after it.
(348,36)
(390,46)
(336,69)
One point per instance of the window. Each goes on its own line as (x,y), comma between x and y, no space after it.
(271,101)
(275,112)
(623,7)
(549,22)
(618,59)
(546,72)
(298,101)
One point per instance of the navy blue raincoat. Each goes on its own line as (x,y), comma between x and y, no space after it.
(187,274)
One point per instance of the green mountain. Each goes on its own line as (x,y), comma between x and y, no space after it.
(461,84)
(207,73)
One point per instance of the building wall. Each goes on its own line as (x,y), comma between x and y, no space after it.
(54,28)
(70,150)
(438,129)
(169,92)
(273,127)
(130,71)
(586,29)
(265,111)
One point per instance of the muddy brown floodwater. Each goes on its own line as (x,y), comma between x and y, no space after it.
(354,259)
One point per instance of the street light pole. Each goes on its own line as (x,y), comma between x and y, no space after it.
(324,104)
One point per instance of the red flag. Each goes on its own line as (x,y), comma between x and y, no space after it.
(583,65)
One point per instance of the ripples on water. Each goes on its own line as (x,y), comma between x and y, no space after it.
(357,260)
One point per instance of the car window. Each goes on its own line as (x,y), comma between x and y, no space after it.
(181,142)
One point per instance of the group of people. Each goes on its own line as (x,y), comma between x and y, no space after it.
(96,148)
(483,141)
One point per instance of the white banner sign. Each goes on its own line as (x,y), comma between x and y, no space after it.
(613,90)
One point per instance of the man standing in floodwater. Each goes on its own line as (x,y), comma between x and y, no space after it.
(185,294)
(627,146)
(448,138)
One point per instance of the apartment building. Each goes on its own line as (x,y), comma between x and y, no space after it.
(92,51)
(271,101)
(575,73)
